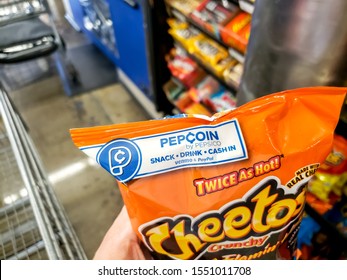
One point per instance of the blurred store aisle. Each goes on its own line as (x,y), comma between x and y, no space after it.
(89,194)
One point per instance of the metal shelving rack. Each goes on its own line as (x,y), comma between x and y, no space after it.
(240,57)
(33,224)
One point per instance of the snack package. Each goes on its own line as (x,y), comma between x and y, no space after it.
(205,88)
(319,205)
(331,177)
(314,243)
(318,240)
(212,14)
(231,186)
(173,90)
(243,37)
(184,34)
(220,101)
(185,70)
(209,52)
(183,101)
(336,162)
(229,33)
(197,108)
(184,6)
(232,75)
(322,185)
(220,67)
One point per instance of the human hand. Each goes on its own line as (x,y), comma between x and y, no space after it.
(120,241)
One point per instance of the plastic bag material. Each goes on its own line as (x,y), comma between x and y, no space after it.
(231,186)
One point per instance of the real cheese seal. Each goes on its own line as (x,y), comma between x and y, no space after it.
(229,187)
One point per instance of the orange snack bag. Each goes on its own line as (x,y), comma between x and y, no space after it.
(336,162)
(231,186)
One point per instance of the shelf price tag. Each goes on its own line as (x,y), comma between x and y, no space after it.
(237,55)
(246,6)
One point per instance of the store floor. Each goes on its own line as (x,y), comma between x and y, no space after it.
(88,193)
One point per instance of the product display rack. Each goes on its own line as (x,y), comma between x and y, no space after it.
(172,11)
(33,223)
(206,68)
(175,12)
(328,235)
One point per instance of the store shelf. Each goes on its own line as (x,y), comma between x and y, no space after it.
(208,70)
(233,52)
(237,55)
(32,222)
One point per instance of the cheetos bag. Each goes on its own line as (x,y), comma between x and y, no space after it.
(229,187)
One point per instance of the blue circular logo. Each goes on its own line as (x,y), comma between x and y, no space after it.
(121,157)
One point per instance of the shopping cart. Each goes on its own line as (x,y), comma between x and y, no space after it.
(28,31)
(33,224)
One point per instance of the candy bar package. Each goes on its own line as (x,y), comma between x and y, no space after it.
(230,32)
(231,186)
(212,14)
(184,6)
(184,34)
